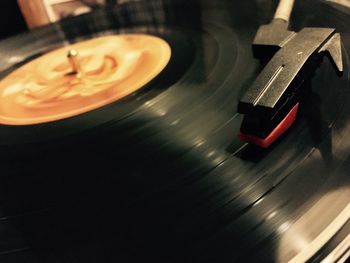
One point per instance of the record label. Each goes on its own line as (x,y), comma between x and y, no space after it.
(81,77)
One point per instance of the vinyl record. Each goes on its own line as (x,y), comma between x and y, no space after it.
(161,175)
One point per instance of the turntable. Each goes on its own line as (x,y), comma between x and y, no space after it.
(178,131)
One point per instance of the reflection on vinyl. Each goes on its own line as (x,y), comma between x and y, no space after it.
(160,175)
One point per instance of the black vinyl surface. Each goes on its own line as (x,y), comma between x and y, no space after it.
(161,176)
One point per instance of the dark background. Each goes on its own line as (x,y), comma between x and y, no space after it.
(11,19)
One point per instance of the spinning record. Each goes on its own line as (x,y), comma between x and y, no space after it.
(157,173)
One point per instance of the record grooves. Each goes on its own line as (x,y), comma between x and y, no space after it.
(161,175)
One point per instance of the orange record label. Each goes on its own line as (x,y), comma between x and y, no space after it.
(81,77)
